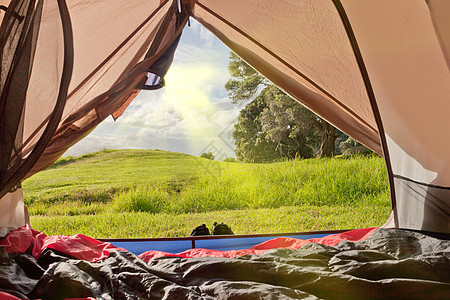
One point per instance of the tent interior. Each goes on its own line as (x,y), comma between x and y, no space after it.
(378,71)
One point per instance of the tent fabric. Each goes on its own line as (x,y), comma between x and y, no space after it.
(224,243)
(441,22)
(276,243)
(12,212)
(410,78)
(378,71)
(24,56)
(109,67)
(155,75)
(371,264)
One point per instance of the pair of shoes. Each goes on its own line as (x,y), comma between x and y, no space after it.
(222,229)
(219,229)
(200,230)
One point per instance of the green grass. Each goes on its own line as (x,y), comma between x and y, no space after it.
(108,172)
(150,193)
(246,221)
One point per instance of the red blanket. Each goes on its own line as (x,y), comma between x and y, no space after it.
(89,249)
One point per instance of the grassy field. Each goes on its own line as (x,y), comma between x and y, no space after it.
(151,193)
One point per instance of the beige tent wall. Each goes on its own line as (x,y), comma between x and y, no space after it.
(439,14)
(406,62)
(12,212)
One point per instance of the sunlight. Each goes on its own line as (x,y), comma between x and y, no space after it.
(188,92)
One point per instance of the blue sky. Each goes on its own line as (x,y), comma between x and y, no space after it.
(192,114)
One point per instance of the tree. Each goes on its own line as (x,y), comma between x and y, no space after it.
(284,123)
(289,125)
(328,137)
(245,82)
(250,140)
(208,155)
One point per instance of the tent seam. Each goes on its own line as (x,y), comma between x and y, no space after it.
(29,15)
(421,183)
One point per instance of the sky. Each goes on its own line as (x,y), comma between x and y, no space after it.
(192,114)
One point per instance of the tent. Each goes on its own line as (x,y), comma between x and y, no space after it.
(377,70)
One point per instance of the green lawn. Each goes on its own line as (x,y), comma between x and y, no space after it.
(151,193)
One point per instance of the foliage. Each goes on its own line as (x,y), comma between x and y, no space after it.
(274,126)
(351,146)
(246,81)
(229,159)
(348,143)
(309,193)
(289,125)
(250,140)
(151,200)
(208,155)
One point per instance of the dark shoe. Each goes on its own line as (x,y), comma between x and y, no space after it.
(222,229)
(200,230)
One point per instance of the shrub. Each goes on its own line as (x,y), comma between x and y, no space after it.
(208,155)
(141,200)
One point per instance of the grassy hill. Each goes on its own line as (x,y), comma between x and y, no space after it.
(110,170)
(149,193)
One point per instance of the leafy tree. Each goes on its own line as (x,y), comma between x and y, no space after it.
(250,140)
(229,159)
(208,155)
(273,121)
(288,125)
(246,82)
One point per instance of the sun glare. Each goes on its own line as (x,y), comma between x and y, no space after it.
(188,90)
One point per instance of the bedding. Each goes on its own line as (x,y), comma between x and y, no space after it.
(360,264)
